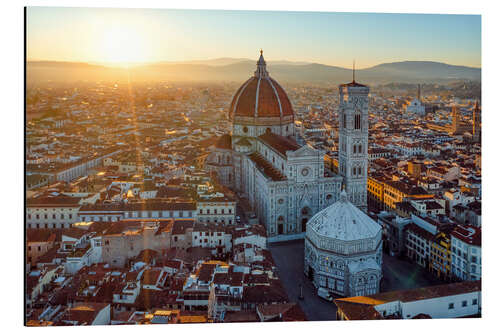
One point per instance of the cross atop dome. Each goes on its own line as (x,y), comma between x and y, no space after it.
(261,71)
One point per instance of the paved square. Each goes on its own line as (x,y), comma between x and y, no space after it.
(289,258)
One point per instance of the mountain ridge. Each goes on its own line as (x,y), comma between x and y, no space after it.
(236,69)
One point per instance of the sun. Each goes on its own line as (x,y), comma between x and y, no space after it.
(122,46)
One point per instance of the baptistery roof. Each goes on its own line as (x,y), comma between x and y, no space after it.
(343,221)
(261,97)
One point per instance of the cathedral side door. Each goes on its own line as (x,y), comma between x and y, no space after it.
(310,274)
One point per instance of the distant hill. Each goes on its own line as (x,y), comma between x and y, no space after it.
(229,69)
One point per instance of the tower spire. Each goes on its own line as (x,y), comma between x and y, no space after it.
(353,70)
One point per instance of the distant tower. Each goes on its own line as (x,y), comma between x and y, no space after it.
(455,119)
(353,140)
(418,92)
(476,123)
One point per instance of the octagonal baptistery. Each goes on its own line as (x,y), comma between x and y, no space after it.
(343,250)
(261,105)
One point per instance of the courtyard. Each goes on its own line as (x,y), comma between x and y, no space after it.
(289,258)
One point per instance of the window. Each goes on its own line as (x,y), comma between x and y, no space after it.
(343,120)
(474,301)
(357,121)
(451,306)
(464,304)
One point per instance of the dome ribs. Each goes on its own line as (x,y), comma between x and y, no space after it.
(269,105)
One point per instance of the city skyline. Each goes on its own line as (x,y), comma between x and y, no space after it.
(240,189)
(122,36)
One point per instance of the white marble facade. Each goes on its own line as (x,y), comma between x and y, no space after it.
(343,250)
(353,141)
(284,182)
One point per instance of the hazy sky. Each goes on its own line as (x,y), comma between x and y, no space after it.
(147,35)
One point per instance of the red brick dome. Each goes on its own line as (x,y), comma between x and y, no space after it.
(261,97)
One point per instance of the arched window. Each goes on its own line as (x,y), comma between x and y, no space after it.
(343,120)
(245,129)
(357,121)
(268,130)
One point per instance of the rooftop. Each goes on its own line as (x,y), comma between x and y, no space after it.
(343,221)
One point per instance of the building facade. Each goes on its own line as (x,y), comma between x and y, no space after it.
(343,250)
(466,252)
(286,183)
(353,141)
